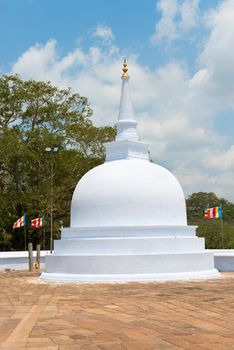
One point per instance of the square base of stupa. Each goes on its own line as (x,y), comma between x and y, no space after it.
(129,254)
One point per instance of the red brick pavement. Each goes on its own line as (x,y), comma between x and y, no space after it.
(132,316)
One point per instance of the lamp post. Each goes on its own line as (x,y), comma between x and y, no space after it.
(51,150)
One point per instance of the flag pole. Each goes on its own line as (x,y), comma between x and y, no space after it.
(222,231)
(25,233)
(43,232)
(25,238)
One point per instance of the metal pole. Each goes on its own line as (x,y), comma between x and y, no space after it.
(30,256)
(222,232)
(25,239)
(43,233)
(51,207)
(38,256)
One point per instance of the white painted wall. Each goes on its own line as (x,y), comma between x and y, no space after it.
(19,260)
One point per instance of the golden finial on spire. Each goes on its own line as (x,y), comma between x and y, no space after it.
(125,69)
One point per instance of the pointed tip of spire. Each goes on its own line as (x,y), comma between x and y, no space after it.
(125,69)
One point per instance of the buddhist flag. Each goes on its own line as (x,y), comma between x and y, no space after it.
(38,222)
(20,222)
(213,213)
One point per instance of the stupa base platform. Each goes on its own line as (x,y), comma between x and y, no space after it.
(140,254)
(129,267)
(124,278)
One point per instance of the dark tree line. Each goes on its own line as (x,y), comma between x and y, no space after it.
(35,115)
(211,228)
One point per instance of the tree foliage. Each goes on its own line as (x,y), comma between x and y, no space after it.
(35,115)
(211,228)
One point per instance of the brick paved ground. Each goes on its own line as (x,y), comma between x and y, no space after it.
(173,315)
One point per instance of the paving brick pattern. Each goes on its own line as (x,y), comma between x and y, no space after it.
(133,316)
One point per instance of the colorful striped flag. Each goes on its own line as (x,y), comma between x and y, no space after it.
(20,222)
(38,222)
(213,213)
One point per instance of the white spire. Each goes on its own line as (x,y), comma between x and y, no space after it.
(126,124)
(125,108)
(126,144)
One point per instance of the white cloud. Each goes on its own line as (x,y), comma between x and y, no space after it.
(175,110)
(221,161)
(166,28)
(199,78)
(189,12)
(221,185)
(35,60)
(104,32)
(218,55)
(177,18)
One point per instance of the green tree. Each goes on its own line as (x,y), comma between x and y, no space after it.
(35,115)
(211,228)
(11,100)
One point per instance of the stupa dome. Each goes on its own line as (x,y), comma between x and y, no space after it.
(127,192)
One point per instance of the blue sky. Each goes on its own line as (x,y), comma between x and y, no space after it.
(68,21)
(133,21)
(180,55)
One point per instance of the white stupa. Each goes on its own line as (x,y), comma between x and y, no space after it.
(128,218)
